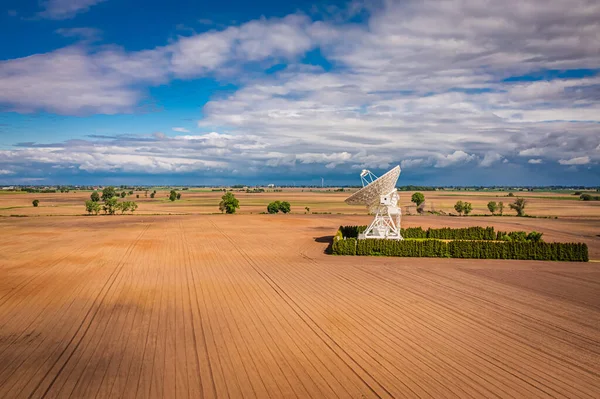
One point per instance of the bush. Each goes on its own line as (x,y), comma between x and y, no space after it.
(572,252)
(279,206)
(95,196)
(467,233)
(285,207)
(344,246)
(352,231)
(173,195)
(534,236)
(516,245)
(413,232)
(35,203)
(411,248)
(273,207)
(444,233)
(517,236)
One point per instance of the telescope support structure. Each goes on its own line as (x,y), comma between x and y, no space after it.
(386,224)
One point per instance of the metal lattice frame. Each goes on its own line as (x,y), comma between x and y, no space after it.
(381,198)
(386,223)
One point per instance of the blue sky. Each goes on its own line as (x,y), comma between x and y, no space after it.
(458,92)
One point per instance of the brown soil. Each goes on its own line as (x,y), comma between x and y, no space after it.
(250,306)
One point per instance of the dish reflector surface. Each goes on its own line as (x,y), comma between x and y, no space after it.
(370,194)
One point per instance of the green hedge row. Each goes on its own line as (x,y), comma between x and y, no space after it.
(573,252)
(412,248)
(570,252)
(445,233)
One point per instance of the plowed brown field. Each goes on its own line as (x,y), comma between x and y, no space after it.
(250,306)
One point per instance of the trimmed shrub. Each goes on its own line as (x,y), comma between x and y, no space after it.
(345,246)
(535,236)
(352,231)
(514,245)
(467,233)
(411,248)
(413,232)
(518,236)
(572,252)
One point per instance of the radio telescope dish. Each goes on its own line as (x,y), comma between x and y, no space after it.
(380,197)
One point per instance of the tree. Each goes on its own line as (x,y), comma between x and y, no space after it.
(273,207)
(511,195)
(173,195)
(519,206)
(122,206)
(492,206)
(133,206)
(534,236)
(500,207)
(110,206)
(35,203)
(95,196)
(108,193)
(417,198)
(467,208)
(152,195)
(123,194)
(92,207)
(459,207)
(178,195)
(137,196)
(285,207)
(229,204)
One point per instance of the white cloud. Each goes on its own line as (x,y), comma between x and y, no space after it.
(457,157)
(535,161)
(180,130)
(64,9)
(490,158)
(575,161)
(6,172)
(531,152)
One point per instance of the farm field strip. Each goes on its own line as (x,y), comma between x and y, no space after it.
(250,306)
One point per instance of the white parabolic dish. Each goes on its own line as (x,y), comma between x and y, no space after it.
(370,195)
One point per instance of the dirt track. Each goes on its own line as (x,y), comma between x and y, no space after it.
(249,306)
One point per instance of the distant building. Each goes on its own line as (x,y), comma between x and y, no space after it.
(271,185)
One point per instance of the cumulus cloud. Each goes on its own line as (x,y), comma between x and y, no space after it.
(575,161)
(490,158)
(64,9)
(457,157)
